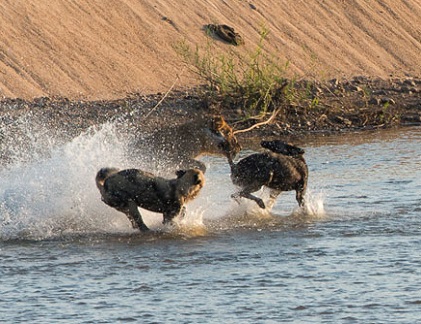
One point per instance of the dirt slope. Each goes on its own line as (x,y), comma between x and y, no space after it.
(104,49)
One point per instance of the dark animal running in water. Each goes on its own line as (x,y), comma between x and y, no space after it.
(129,189)
(282,168)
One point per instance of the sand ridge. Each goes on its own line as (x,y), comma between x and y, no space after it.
(103,49)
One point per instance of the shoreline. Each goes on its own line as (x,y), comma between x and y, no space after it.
(358,104)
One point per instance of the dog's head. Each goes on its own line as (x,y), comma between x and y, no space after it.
(190,182)
(281,147)
(224,138)
(103,174)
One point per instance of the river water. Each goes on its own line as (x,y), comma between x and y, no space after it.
(352,256)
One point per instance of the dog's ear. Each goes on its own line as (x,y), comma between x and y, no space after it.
(180,173)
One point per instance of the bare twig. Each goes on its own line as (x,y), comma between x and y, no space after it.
(165,95)
(268,121)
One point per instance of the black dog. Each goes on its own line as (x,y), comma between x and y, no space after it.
(281,169)
(126,190)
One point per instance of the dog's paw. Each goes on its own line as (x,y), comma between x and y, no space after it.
(236,197)
(143,228)
(261,203)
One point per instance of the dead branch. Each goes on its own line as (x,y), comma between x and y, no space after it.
(268,121)
(165,95)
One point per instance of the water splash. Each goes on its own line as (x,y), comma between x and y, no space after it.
(24,139)
(284,214)
(55,193)
(314,205)
(47,189)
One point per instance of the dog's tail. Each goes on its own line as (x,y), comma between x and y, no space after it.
(102,175)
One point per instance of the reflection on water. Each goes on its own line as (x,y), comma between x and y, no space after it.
(350,256)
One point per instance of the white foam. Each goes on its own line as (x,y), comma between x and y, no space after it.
(48,196)
(54,194)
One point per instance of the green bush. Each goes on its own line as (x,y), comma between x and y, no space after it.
(255,82)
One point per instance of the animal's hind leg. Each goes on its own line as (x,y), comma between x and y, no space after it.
(300,197)
(135,217)
(272,197)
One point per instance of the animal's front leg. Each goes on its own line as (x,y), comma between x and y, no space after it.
(236,197)
(272,197)
(259,201)
(136,218)
(183,212)
(170,215)
(246,194)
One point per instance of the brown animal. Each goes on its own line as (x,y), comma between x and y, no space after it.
(177,147)
(129,189)
(281,169)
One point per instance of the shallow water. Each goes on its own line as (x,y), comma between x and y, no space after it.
(352,256)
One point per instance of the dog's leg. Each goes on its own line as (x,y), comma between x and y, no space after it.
(259,201)
(300,197)
(170,215)
(183,212)
(125,210)
(248,195)
(136,218)
(272,197)
(236,197)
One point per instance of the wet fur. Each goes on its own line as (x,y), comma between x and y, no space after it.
(177,147)
(129,189)
(283,168)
